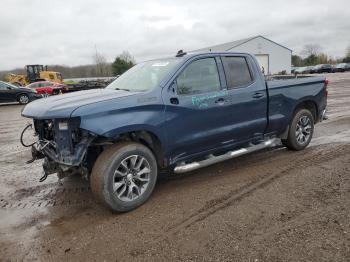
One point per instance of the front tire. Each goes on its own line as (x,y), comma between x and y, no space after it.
(124,176)
(23,99)
(300,131)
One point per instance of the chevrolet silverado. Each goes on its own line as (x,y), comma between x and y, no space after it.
(179,113)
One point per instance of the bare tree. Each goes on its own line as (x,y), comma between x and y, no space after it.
(311,49)
(127,57)
(102,67)
(323,58)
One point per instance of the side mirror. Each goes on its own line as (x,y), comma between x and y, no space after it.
(9,88)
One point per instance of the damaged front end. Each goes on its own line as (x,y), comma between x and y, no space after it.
(63,145)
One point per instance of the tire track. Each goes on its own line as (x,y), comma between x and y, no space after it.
(227,200)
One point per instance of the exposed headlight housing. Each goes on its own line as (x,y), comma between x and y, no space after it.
(63,125)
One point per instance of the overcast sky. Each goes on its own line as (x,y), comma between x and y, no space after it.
(67,31)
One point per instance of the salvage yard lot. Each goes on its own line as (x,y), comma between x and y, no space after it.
(274,205)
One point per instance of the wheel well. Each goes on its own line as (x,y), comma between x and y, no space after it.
(309,105)
(149,140)
(152,142)
(20,95)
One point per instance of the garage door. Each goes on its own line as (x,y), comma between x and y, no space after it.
(263,61)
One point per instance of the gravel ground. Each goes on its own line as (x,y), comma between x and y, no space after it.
(273,205)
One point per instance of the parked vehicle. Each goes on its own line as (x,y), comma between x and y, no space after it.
(342,67)
(12,93)
(46,88)
(292,71)
(299,70)
(303,70)
(323,68)
(312,69)
(179,113)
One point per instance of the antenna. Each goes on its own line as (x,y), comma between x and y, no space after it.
(180,53)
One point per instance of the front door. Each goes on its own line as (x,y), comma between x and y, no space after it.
(197,113)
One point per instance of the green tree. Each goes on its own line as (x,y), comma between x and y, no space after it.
(311,60)
(297,60)
(122,63)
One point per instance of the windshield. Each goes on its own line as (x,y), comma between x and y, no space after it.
(144,76)
(8,84)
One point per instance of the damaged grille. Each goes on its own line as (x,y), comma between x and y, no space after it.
(62,140)
(62,134)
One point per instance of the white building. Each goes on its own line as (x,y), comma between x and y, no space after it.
(272,57)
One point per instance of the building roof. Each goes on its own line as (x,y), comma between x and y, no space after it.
(230,45)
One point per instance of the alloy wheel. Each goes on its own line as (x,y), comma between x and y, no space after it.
(131,178)
(303,129)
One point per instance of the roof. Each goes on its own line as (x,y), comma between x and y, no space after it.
(230,45)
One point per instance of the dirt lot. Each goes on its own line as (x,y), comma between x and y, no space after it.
(274,205)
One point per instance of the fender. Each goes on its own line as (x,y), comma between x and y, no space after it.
(135,128)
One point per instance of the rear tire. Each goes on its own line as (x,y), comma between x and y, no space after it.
(300,131)
(124,176)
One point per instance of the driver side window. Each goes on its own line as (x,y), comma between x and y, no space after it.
(201,76)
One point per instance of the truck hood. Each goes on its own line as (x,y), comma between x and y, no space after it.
(62,106)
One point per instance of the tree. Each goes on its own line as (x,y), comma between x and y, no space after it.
(311,49)
(323,58)
(102,67)
(297,60)
(122,63)
(126,56)
(311,60)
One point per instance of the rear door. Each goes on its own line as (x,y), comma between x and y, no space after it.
(196,109)
(247,98)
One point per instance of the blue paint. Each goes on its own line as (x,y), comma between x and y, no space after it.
(198,124)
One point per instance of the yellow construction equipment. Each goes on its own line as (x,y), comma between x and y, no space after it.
(34,73)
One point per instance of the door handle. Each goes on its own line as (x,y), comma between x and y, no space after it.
(220,101)
(258,95)
(174,100)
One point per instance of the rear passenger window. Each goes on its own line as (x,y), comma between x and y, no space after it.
(237,71)
(200,76)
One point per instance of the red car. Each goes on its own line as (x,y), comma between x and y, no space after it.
(46,88)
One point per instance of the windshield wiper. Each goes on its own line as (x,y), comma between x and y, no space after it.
(125,89)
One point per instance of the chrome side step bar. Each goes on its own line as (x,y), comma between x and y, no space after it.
(183,168)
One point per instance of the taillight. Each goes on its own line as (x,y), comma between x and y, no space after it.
(326,82)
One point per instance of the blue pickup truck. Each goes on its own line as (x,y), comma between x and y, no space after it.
(179,113)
